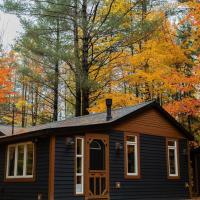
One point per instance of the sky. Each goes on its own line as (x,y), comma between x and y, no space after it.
(10,28)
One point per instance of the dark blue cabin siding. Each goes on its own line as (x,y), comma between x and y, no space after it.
(153,183)
(27,191)
(64,171)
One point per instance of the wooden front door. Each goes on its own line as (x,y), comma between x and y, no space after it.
(97,167)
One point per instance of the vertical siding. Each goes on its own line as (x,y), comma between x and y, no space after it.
(27,191)
(64,171)
(153,183)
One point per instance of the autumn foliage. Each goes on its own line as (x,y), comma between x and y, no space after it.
(6,82)
(163,67)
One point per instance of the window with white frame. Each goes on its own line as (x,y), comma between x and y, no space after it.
(79,165)
(172,158)
(131,142)
(20,160)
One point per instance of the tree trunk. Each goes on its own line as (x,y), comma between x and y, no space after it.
(55,103)
(56,81)
(85,67)
(77,63)
(189,119)
(23,110)
(34,100)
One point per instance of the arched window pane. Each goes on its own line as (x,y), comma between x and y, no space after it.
(97,155)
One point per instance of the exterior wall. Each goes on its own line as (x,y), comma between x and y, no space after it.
(153,183)
(27,190)
(64,171)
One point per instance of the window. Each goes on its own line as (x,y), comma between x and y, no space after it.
(172,157)
(131,156)
(20,160)
(79,165)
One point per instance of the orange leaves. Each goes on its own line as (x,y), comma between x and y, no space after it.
(192,21)
(187,106)
(6,84)
(193,15)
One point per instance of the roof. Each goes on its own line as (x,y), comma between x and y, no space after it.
(97,119)
(6,130)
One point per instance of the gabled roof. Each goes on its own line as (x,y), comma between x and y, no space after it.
(97,120)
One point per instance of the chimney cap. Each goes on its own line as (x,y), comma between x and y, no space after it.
(108,102)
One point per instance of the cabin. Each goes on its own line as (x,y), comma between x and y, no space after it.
(138,152)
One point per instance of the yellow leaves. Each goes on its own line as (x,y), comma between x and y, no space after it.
(119,6)
(155,15)
(159,55)
(119,100)
(21,103)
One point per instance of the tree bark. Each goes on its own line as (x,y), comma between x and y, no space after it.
(77,63)
(56,73)
(23,109)
(85,67)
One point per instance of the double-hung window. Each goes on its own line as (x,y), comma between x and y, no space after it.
(20,160)
(132,156)
(79,165)
(172,158)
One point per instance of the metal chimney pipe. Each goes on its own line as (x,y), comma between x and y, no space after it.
(109,106)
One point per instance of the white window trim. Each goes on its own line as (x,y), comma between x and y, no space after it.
(16,159)
(135,144)
(174,147)
(82,165)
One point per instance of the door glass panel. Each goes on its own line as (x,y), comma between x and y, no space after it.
(97,155)
(103,184)
(97,186)
(92,185)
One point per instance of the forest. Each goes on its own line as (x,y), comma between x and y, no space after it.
(73,54)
